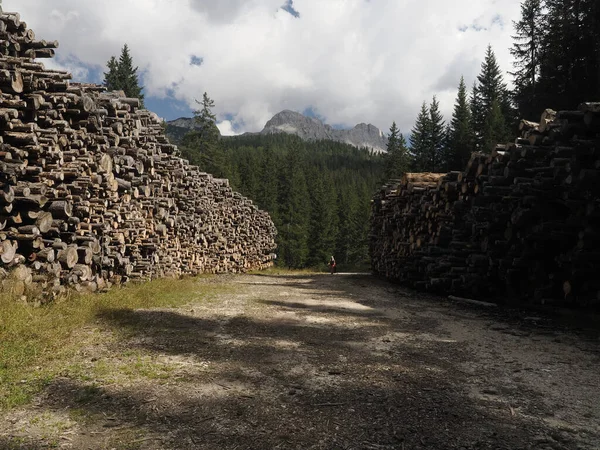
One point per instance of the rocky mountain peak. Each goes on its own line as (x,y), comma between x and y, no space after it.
(310,128)
(307,128)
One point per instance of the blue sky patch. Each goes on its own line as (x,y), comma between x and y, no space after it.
(168,108)
(289,7)
(311,112)
(196,60)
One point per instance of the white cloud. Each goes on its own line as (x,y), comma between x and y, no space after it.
(351,60)
(226,128)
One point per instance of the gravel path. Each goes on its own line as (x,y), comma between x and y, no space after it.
(320,362)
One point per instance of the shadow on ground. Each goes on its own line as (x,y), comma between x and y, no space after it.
(275,382)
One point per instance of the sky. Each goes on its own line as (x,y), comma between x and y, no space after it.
(344,61)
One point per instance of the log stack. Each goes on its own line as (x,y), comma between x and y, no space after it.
(521,224)
(92,193)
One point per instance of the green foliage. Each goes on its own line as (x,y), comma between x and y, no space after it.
(494,129)
(526,51)
(556,53)
(419,139)
(397,159)
(490,87)
(36,343)
(570,53)
(294,209)
(122,75)
(437,136)
(202,146)
(317,193)
(428,138)
(460,144)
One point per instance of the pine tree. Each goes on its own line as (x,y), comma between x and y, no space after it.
(295,211)
(347,210)
(494,131)
(111,78)
(490,86)
(397,160)
(419,140)
(268,189)
(122,75)
(321,227)
(526,53)
(437,137)
(460,142)
(202,146)
(570,63)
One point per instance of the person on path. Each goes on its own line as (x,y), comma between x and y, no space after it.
(332,265)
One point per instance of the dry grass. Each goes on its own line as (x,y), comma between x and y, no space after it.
(35,342)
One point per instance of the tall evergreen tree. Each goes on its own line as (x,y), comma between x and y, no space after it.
(419,140)
(202,146)
(111,78)
(397,158)
(526,51)
(570,65)
(494,130)
(268,189)
(347,209)
(322,224)
(294,211)
(122,75)
(437,137)
(490,86)
(460,142)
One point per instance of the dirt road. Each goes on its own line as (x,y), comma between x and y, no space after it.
(319,362)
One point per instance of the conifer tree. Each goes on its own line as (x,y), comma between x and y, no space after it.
(111,78)
(321,227)
(570,66)
(476,119)
(419,140)
(460,143)
(437,137)
(526,51)
(268,189)
(397,159)
(347,209)
(490,87)
(294,211)
(202,146)
(122,75)
(494,131)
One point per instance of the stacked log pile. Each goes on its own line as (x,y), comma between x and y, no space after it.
(92,193)
(519,224)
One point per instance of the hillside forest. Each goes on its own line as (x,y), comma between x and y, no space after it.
(318,193)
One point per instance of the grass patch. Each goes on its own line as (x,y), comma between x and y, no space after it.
(35,342)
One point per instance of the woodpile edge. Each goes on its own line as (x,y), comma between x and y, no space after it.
(93,194)
(519,225)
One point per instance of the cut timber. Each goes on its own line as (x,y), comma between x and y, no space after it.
(93,194)
(417,178)
(7,251)
(512,226)
(68,257)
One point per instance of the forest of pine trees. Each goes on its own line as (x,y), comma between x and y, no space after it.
(317,193)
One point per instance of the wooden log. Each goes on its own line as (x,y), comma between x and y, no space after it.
(68,257)
(8,249)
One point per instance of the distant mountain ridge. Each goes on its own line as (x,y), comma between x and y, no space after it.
(311,129)
(307,128)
